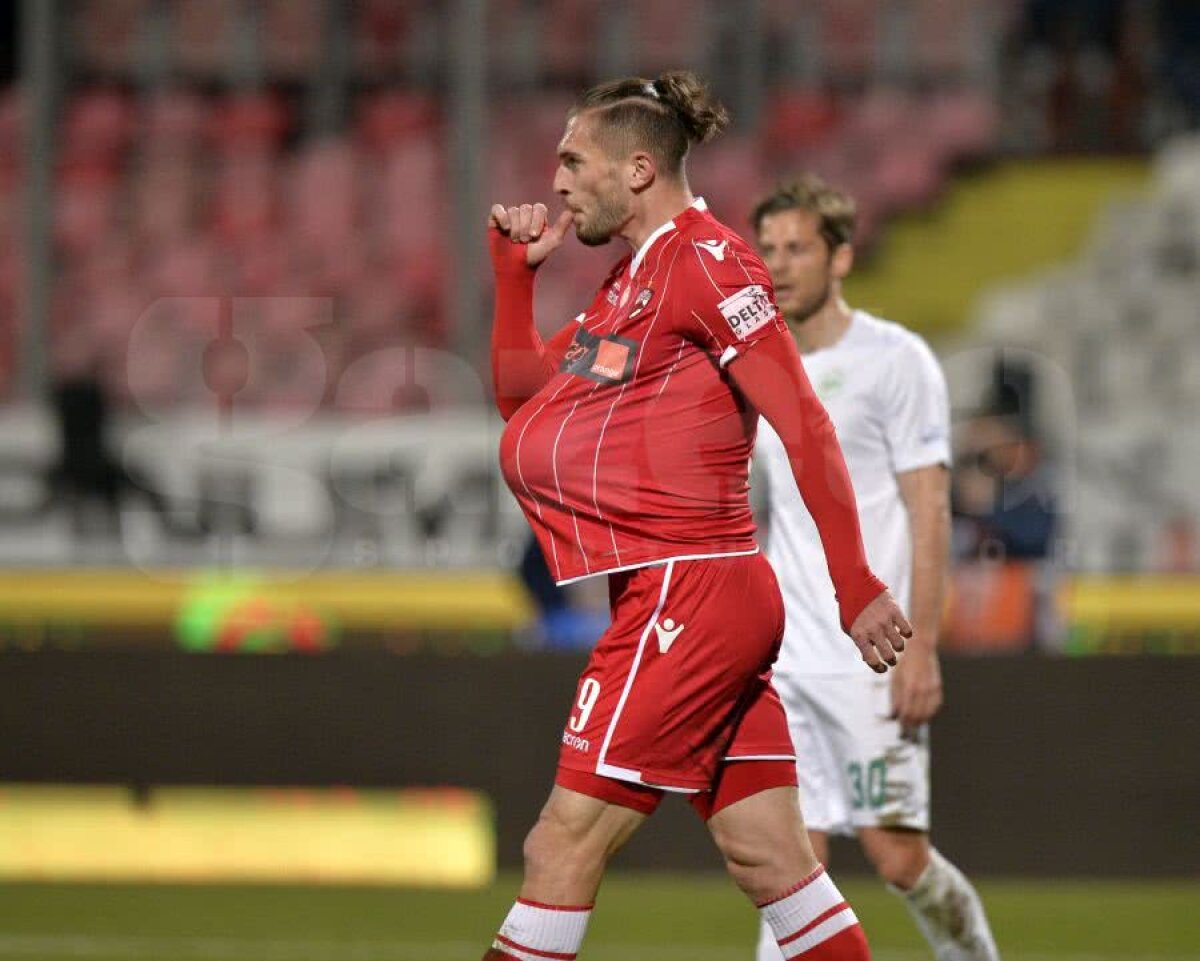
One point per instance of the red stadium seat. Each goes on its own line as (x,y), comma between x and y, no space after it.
(251,124)
(322,196)
(97,126)
(965,122)
(173,122)
(244,202)
(849,38)
(84,208)
(203,35)
(381,31)
(384,120)
(666,36)
(292,33)
(108,34)
(164,196)
(798,119)
(567,54)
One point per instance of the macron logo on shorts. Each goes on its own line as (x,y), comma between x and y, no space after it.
(667,630)
(747,310)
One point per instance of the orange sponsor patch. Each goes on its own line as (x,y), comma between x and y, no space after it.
(610,360)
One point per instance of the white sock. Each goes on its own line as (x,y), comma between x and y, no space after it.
(949,913)
(533,932)
(768,947)
(806,917)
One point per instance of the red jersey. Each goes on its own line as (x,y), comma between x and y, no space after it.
(637,450)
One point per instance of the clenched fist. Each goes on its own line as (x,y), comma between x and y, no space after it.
(525,227)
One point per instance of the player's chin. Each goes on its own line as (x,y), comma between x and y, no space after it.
(591,238)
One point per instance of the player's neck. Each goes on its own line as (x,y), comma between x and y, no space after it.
(824,328)
(656,208)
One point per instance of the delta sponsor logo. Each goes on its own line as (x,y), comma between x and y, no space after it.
(581,744)
(747,310)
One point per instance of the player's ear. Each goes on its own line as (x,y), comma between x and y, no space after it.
(842,261)
(642,171)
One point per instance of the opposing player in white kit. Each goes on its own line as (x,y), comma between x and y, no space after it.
(862,739)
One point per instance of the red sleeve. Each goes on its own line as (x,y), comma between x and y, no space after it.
(731,303)
(772,378)
(521,363)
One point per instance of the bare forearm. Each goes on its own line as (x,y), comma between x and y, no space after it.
(927,501)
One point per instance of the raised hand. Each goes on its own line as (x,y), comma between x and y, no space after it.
(527,226)
(879,632)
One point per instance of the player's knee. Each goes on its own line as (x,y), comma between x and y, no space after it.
(898,857)
(555,846)
(754,864)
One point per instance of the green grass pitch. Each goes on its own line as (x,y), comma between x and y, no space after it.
(640,917)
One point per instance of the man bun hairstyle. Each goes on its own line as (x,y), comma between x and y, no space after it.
(663,116)
(836,211)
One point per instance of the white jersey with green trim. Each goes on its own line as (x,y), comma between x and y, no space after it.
(887,398)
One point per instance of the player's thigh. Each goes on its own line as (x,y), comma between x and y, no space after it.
(884,769)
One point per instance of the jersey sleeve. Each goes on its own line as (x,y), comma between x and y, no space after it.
(916,409)
(730,303)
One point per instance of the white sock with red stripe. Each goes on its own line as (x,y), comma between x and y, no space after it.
(813,921)
(542,932)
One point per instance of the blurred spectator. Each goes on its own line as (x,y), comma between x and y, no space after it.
(1179,33)
(87,479)
(1003,492)
(562,623)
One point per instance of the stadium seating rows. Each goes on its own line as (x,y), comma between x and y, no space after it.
(536,40)
(179,198)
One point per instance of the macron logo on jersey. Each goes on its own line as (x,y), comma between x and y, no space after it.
(747,310)
(715,248)
(667,631)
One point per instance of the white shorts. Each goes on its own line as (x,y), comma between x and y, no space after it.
(855,767)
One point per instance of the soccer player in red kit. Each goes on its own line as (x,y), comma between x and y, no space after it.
(628,443)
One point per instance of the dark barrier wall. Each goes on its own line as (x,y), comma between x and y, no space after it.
(1040,766)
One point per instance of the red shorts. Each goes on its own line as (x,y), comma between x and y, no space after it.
(680,683)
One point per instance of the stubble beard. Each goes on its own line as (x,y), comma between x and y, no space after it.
(601,228)
(811,307)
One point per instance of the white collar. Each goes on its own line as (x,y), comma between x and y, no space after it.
(697,204)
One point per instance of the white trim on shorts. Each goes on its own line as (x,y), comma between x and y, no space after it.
(614,771)
(652,563)
(762,757)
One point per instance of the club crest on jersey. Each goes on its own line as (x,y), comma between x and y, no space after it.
(606,360)
(747,310)
(645,295)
